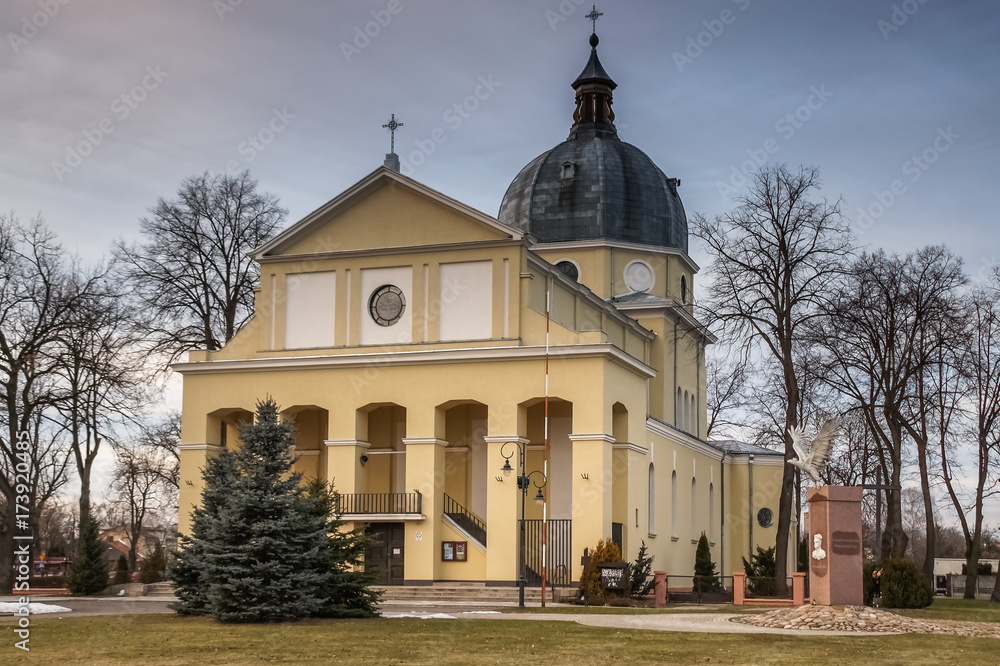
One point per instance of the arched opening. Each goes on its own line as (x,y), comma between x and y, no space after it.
(679,410)
(684,289)
(224,425)
(619,423)
(711,512)
(559,484)
(687,412)
(693,411)
(673,504)
(386,465)
(466,455)
(651,503)
(694,509)
(311,425)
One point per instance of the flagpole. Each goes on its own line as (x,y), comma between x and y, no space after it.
(545,462)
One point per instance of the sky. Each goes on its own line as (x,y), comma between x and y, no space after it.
(109,104)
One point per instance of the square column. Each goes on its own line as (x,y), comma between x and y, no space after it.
(592,496)
(343,465)
(424,473)
(835,565)
(193,458)
(502,512)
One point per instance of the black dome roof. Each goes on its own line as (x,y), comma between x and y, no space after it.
(594,185)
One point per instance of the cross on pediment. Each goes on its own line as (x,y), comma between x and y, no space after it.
(392,126)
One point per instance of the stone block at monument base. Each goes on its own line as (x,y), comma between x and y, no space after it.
(835,561)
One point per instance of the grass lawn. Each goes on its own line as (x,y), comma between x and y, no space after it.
(624,610)
(168,639)
(963,610)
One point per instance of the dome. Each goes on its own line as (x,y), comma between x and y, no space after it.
(594,185)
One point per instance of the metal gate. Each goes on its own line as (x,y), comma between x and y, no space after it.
(559,548)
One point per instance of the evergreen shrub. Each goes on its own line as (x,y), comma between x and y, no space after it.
(591,590)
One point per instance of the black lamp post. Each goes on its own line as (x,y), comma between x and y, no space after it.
(523,483)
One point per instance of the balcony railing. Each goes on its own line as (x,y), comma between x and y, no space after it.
(368,504)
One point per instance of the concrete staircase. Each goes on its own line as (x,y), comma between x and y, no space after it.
(459,593)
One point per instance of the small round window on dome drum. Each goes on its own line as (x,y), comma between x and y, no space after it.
(569,269)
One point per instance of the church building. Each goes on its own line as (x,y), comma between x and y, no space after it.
(425,350)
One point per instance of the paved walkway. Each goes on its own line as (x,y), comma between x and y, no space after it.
(701,622)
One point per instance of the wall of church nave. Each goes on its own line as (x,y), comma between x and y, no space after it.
(686,490)
(752,518)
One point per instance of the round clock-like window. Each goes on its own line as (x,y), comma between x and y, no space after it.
(386,305)
(765,517)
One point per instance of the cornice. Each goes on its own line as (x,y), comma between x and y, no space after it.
(419,357)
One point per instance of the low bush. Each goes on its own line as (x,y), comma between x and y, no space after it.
(901,583)
(591,590)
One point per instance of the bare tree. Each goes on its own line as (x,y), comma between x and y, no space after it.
(870,342)
(164,435)
(139,489)
(776,257)
(980,379)
(38,298)
(727,378)
(104,375)
(191,272)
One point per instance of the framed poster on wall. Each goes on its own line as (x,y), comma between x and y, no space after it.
(453,551)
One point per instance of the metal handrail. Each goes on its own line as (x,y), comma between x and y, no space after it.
(465,518)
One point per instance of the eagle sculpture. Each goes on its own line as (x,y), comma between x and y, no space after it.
(814,461)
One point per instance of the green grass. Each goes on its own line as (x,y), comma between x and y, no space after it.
(168,639)
(962,610)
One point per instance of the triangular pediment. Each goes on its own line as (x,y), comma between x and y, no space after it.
(386,210)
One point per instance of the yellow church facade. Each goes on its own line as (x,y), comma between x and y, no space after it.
(421,347)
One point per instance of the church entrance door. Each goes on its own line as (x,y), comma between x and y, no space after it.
(386,552)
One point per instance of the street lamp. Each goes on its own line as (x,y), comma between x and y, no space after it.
(524,481)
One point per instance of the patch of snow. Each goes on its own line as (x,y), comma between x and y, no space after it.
(33,608)
(421,616)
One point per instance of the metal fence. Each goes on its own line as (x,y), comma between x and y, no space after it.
(559,549)
(984,586)
(700,589)
(766,587)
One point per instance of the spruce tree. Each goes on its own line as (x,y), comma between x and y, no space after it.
(89,572)
(348,591)
(705,577)
(121,571)
(641,573)
(188,572)
(154,566)
(261,556)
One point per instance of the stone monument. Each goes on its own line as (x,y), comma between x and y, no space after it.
(835,563)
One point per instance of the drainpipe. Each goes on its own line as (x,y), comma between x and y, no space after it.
(722,513)
(751,505)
